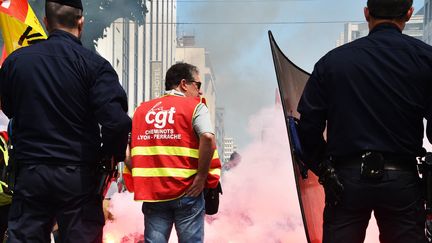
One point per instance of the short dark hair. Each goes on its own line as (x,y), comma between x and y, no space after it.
(177,72)
(59,15)
(388,9)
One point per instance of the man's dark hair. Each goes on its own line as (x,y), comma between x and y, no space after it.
(388,9)
(59,15)
(177,72)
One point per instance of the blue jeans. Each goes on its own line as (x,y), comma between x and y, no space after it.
(186,213)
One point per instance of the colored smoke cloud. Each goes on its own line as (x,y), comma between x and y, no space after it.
(259,201)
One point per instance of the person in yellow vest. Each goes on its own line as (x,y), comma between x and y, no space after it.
(174,158)
(5,194)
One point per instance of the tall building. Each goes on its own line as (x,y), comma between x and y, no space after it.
(415,27)
(353,31)
(187,51)
(427,21)
(220,129)
(229,147)
(141,54)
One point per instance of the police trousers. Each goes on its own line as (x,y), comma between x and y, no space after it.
(396,200)
(4,212)
(45,194)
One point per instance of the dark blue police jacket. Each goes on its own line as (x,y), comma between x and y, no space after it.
(65,102)
(372,94)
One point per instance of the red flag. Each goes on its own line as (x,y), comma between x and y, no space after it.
(19,25)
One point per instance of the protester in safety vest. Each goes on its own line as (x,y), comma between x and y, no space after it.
(5,194)
(174,158)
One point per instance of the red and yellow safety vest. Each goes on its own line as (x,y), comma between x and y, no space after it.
(164,149)
(5,195)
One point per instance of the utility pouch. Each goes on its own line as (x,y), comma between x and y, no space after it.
(211,197)
(426,171)
(372,166)
(107,172)
(11,169)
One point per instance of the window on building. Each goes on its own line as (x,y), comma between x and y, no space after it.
(415,26)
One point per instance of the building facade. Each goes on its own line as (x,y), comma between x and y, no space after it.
(220,129)
(141,54)
(186,51)
(427,21)
(229,147)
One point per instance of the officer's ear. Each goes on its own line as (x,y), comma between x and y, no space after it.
(80,25)
(45,21)
(409,14)
(366,13)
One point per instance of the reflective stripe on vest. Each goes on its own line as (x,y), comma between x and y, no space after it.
(4,150)
(169,150)
(2,184)
(164,166)
(170,172)
(5,199)
(128,180)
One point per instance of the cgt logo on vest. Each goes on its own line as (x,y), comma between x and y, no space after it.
(160,117)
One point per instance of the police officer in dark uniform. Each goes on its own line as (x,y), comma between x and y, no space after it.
(66,102)
(372,94)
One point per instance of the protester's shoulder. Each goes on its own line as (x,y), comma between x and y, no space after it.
(193,99)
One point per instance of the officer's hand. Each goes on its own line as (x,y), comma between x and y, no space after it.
(332,186)
(197,186)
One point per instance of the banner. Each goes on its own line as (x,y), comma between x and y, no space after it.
(19,26)
(291,81)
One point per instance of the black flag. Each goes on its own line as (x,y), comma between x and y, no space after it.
(292,80)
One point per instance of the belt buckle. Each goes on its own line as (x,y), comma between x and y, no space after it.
(372,165)
(362,165)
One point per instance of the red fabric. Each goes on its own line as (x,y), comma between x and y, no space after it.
(3,56)
(15,8)
(4,134)
(127,178)
(166,121)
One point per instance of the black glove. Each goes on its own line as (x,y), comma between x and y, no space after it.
(333,188)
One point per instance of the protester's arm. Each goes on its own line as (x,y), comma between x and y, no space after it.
(128,158)
(109,103)
(203,128)
(206,150)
